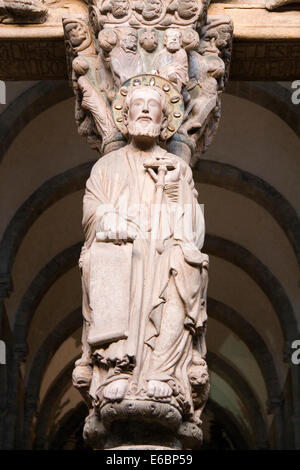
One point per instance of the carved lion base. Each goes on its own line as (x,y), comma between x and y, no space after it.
(140,423)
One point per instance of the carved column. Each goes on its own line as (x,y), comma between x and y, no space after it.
(147,76)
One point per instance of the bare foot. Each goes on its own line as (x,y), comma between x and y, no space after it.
(158,389)
(116,390)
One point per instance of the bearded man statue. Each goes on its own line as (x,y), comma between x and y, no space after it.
(144,276)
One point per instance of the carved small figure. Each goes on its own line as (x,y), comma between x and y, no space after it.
(172,61)
(208,70)
(92,113)
(124,59)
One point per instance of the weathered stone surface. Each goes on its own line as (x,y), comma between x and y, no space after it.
(23,11)
(273,4)
(36,53)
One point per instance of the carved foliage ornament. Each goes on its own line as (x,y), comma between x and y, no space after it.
(23,11)
(162,13)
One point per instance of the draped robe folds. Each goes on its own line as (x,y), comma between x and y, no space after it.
(120,183)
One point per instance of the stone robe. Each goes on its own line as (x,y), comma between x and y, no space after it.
(114,279)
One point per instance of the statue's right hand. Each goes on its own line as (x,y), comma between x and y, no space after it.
(114,228)
(115,237)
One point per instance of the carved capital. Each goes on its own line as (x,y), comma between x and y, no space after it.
(174,40)
(23,11)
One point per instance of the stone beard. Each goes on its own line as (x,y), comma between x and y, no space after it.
(144,314)
(145,125)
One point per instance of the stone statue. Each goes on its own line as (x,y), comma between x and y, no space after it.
(22,11)
(144,325)
(172,61)
(147,77)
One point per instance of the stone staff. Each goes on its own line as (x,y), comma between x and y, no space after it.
(162,166)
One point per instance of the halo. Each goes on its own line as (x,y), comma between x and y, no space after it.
(174,98)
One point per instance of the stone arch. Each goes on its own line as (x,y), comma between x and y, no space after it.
(54,340)
(40,200)
(55,391)
(251,186)
(256,344)
(271,96)
(262,276)
(225,370)
(47,276)
(231,425)
(71,422)
(27,106)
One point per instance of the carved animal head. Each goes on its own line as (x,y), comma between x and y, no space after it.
(149,40)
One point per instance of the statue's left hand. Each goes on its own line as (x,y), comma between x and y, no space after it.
(172,176)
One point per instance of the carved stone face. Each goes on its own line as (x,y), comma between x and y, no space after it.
(128,40)
(173,40)
(119,8)
(145,114)
(77,34)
